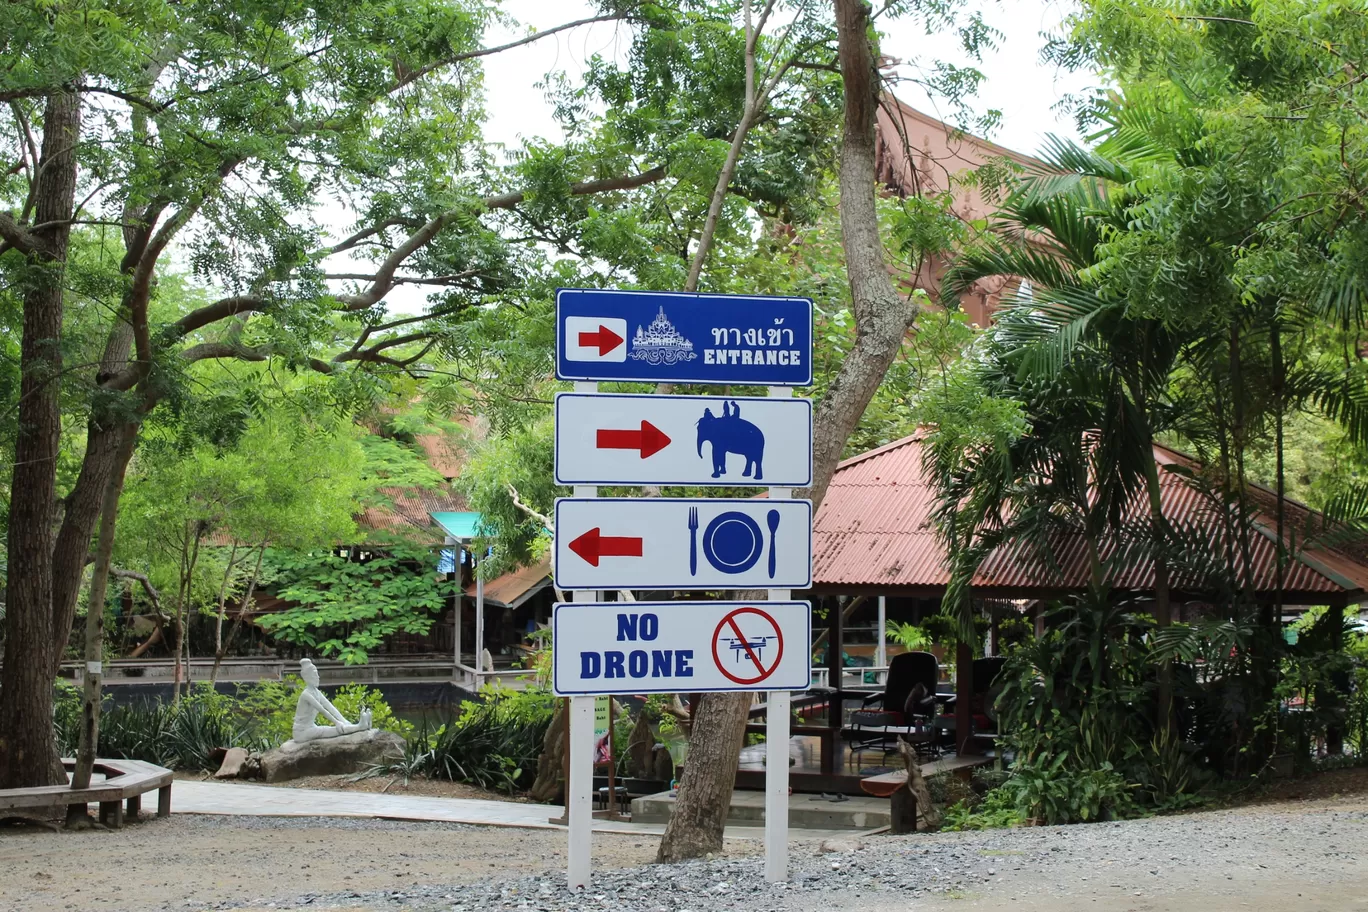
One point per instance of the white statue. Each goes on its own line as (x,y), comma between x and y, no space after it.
(312,702)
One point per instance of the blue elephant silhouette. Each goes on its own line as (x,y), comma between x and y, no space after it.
(731,434)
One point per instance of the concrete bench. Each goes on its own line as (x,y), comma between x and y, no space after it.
(126,781)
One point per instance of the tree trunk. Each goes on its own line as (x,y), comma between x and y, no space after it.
(882,318)
(700,814)
(28,755)
(189,559)
(243,608)
(94,633)
(218,616)
(550,784)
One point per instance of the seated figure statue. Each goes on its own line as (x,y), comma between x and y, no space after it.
(312,702)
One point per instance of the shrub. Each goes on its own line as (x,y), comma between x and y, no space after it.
(183,735)
(494,743)
(271,707)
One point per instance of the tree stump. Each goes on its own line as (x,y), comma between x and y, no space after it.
(916,792)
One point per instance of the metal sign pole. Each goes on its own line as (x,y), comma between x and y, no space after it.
(579,811)
(777,743)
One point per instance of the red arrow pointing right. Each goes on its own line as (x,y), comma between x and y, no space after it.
(604,339)
(592,545)
(649,440)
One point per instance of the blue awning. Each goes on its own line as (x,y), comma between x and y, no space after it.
(462,525)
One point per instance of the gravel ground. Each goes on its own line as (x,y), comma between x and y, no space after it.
(1298,855)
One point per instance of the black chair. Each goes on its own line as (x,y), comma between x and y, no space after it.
(982,714)
(908,699)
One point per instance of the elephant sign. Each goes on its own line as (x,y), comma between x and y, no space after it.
(732,434)
(638,438)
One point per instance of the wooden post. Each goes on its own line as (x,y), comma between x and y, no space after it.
(881,649)
(164,801)
(964,694)
(133,807)
(835,646)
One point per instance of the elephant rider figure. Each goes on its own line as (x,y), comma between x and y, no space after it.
(312,702)
(731,434)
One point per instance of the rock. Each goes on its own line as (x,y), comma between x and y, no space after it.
(840,845)
(352,753)
(233,760)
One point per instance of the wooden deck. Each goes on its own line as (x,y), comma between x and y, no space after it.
(847,768)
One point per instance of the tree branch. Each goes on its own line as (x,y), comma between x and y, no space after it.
(451,279)
(539,517)
(384,275)
(224,307)
(16,236)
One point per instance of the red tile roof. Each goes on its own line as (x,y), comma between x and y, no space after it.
(873,532)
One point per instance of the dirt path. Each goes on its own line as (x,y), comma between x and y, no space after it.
(193,862)
(1284,856)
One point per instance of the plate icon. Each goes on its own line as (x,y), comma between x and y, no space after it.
(732,542)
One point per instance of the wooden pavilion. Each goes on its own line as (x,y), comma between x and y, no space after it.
(873,537)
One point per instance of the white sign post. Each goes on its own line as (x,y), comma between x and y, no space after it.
(630,647)
(777,731)
(579,790)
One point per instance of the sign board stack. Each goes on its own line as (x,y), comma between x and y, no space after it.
(663,544)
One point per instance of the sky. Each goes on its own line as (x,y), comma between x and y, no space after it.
(1016,83)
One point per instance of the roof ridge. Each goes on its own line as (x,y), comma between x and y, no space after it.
(914,437)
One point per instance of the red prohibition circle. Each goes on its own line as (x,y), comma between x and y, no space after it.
(730,621)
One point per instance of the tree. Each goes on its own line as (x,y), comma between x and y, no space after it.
(204,126)
(882,318)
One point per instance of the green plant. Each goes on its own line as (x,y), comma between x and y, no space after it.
(996,810)
(179,736)
(909,636)
(347,607)
(493,743)
(1055,794)
(270,706)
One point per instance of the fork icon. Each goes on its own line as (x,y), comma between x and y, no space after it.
(693,541)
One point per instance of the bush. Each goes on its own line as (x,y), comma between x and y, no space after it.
(271,706)
(494,743)
(176,736)
(183,735)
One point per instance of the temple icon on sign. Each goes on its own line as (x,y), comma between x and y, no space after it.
(661,343)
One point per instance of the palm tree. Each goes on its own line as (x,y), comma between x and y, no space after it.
(1094,369)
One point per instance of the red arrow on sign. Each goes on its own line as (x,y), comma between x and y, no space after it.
(649,440)
(605,340)
(591,546)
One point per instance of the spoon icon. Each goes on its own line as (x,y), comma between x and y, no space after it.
(772,519)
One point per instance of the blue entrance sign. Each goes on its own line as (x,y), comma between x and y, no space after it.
(656,336)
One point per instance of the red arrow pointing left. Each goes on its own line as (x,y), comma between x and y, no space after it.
(604,339)
(649,440)
(592,545)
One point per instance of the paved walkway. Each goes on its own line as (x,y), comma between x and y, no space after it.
(189,797)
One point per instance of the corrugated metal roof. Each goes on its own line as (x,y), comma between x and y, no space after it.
(873,530)
(512,589)
(409,509)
